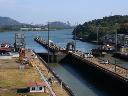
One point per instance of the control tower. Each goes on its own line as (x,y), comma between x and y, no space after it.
(19,41)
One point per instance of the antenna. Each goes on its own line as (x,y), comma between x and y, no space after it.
(111,13)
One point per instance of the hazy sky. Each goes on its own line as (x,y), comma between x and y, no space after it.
(75,11)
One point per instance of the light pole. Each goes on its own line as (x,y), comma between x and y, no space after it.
(48,43)
(116,26)
(97,34)
(99,26)
(75,39)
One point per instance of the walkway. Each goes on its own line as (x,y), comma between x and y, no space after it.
(117,70)
(44,79)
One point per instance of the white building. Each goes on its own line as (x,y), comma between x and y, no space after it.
(37,87)
(30,29)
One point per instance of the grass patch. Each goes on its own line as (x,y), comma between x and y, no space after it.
(12,79)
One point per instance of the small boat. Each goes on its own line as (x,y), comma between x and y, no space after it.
(5,48)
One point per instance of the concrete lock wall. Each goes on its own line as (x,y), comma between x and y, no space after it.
(53,58)
(99,78)
(96,76)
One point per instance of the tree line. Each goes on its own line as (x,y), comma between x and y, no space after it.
(101,27)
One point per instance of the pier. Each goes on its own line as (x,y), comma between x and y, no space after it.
(114,72)
(56,53)
(52,47)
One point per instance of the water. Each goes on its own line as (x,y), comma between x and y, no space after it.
(79,85)
(10,38)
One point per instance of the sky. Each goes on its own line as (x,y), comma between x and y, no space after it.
(74,11)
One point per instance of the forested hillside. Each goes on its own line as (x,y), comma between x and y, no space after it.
(107,25)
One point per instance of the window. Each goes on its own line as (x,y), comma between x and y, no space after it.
(40,88)
(33,88)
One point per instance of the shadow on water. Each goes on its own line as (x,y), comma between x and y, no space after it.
(80,83)
(93,82)
(87,80)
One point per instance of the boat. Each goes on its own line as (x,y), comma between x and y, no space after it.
(5,48)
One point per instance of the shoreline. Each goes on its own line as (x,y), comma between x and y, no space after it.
(92,42)
(33,30)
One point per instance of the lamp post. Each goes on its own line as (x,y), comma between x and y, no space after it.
(116,26)
(48,43)
(75,39)
(48,48)
(99,26)
(97,34)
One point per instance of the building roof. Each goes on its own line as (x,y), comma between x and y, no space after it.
(30,84)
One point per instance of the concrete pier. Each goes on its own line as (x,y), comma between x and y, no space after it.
(52,47)
(110,73)
(56,52)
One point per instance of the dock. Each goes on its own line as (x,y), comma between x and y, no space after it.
(52,47)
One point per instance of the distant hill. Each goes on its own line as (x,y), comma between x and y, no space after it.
(6,21)
(105,26)
(59,25)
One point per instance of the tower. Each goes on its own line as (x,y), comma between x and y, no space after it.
(19,41)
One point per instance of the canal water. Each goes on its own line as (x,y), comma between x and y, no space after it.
(78,84)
